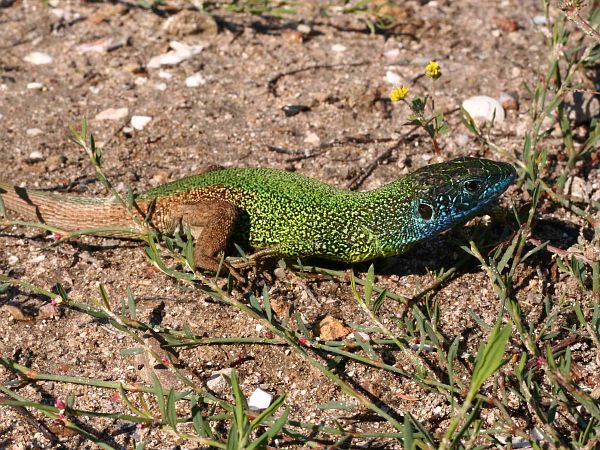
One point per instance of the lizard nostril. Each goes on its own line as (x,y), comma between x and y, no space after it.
(425,211)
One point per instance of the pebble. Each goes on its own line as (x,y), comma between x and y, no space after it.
(66,15)
(331,329)
(577,189)
(338,48)
(12,260)
(195,80)
(292,110)
(280,274)
(508,101)
(38,58)
(165,75)
(217,381)
(36,155)
(484,108)
(312,138)
(188,22)
(160,177)
(160,86)
(360,334)
(103,45)
(393,78)
(259,400)
(304,29)
(133,68)
(35,86)
(139,122)
(179,52)
(33,132)
(461,139)
(539,20)
(293,36)
(507,25)
(393,53)
(54,162)
(38,259)
(113,114)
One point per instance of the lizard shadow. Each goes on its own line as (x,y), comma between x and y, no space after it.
(433,255)
(444,251)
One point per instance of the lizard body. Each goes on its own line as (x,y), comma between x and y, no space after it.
(290,214)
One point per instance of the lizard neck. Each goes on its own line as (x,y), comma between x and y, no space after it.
(388,217)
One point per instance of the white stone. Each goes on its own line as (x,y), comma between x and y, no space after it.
(195,80)
(12,260)
(392,53)
(179,52)
(165,75)
(303,28)
(98,46)
(259,400)
(38,58)
(393,78)
(338,48)
(33,132)
(312,138)
(35,85)
(139,122)
(38,259)
(484,108)
(113,114)
(217,381)
(36,155)
(539,20)
(160,86)
(461,139)
(361,335)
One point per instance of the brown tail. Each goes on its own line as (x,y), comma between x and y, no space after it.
(66,212)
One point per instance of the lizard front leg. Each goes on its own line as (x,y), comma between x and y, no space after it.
(210,222)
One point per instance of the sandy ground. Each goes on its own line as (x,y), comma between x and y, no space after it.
(248,71)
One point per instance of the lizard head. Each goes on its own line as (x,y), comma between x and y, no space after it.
(454,191)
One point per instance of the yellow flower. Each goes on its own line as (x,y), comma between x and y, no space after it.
(433,70)
(398,93)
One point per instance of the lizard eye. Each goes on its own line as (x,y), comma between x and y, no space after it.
(425,211)
(472,186)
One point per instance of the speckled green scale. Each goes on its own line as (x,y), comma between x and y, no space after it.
(298,216)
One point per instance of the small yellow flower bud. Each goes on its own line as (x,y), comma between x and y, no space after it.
(398,93)
(433,70)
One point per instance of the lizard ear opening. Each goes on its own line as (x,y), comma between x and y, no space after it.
(425,211)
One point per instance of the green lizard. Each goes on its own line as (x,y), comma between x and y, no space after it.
(285,213)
